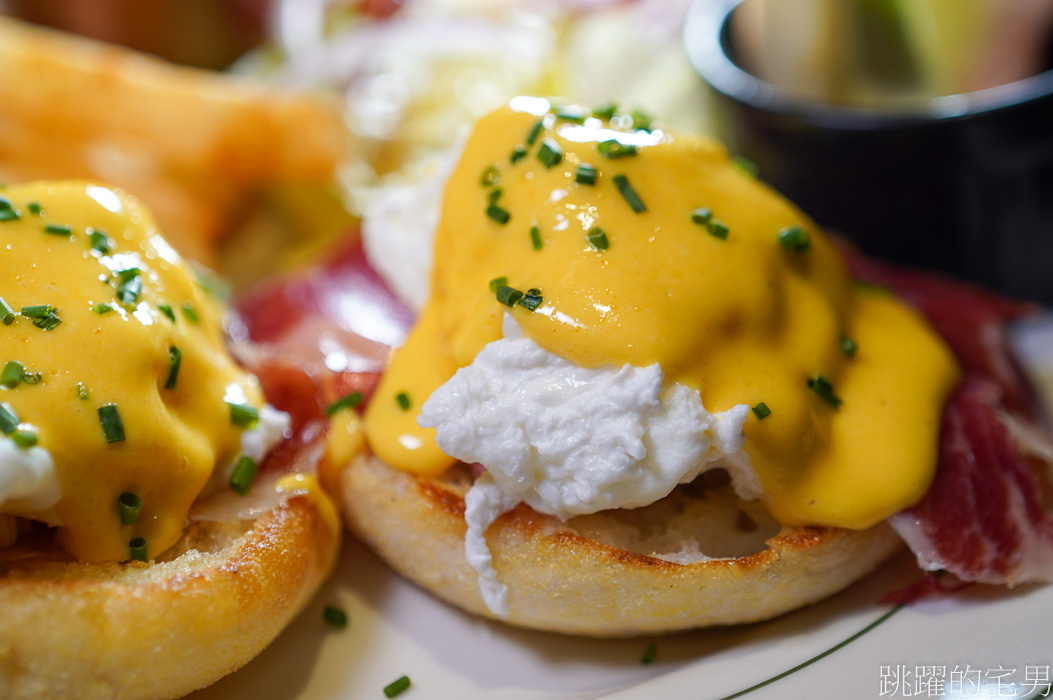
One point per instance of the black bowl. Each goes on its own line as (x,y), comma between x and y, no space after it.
(963,183)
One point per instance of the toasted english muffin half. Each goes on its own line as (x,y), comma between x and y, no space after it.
(165,628)
(616,573)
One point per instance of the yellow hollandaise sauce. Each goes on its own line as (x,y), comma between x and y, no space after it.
(612,244)
(114,364)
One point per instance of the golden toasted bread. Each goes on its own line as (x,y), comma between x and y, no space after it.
(615,573)
(160,629)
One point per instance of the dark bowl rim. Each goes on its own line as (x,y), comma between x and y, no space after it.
(704,26)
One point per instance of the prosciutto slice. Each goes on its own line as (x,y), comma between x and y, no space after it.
(983,518)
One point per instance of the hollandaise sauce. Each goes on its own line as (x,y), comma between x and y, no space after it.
(114,364)
(613,242)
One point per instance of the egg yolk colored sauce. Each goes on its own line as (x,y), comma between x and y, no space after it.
(701,268)
(126,305)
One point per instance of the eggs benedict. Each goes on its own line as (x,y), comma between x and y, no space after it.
(616,310)
(121,411)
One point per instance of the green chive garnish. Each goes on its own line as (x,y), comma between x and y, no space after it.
(112,427)
(131,285)
(403,400)
(128,507)
(531,300)
(349,401)
(334,617)
(82,391)
(490,177)
(649,655)
(848,346)
(585,174)
(641,120)
(24,439)
(100,242)
(745,165)
(497,282)
(702,216)
(48,323)
(518,154)
(137,549)
(58,229)
(8,215)
(190,313)
(824,390)
(607,111)
(243,475)
(535,131)
(7,314)
(535,237)
(8,419)
(598,238)
(244,415)
(34,208)
(572,113)
(498,214)
(37,311)
(12,374)
(175,358)
(795,238)
(629,194)
(550,154)
(32,377)
(397,687)
(102,308)
(6,203)
(508,295)
(615,149)
(166,309)
(761,410)
(717,229)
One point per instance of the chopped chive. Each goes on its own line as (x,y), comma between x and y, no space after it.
(848,346)
(48,323)
(100,242)
(243,475)
(37,311)
(518,154)
(244,415)
(7,314)
(615,149)
(717,229)
(349,401)
(535,237)
(508,295)
(498,214)
(702,216)
(745,165)
(598,238)
(795,238)
(6,203)
(497,282)
(24,439)
(397,687)
(572,113)
(606,112)
(550,154)
(82,391)
(166,309)
(8,419)
(58,229)
(824,390)
(128,507)
(34,208)
(641,120)
(112,427)
(530,301)
(403,400)
(585,174)
(649,655)
(32,377)
(535,131)
(8,215)
(131,285)
(761,410)
(102,308)
(137,549)
(629,194)
(175,358)
(334,617)
(494,195)
(490,177)
(12,374)
(190,313)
